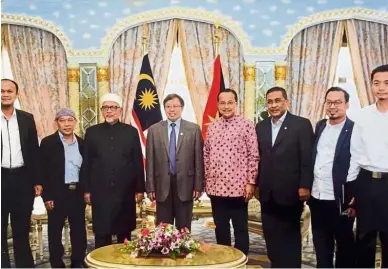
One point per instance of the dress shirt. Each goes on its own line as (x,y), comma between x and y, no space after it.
(231,157)
(12,156)
(369,143)
(323,188)
(276,127)
(177,128)
(73,160)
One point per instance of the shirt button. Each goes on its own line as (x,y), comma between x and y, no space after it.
(111,137)
(112,148)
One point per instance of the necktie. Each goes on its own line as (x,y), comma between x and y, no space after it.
(172,149)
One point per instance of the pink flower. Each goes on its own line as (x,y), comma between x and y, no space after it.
(126,242)
(165,251)
(145,232)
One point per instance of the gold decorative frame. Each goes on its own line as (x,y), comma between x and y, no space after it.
(197,15)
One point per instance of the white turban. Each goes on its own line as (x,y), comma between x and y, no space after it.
(113,97)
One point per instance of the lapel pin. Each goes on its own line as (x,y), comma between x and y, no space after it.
(346,130)
(285,128)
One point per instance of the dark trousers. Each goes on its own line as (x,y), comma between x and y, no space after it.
(102,240)
(173,208)
(225,209)
(366,249)
(73,208)
(17,199)
(281,228)
(330,229)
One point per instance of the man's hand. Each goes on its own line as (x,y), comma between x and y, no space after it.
(151,196)
(38,190)
(304,194)
(196,195)
(351,211)
(87,198)
(49,205)
(249,191)
(139,197)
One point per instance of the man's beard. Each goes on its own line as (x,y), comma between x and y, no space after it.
(6,105)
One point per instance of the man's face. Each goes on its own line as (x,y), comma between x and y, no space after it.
(173,109)
(277,105)
(8,93)
(66,125)
(336,105)
(379,86)
(227,104)
(111,111)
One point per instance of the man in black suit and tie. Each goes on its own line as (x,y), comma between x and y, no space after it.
(331,195)
(19,171)
(61,158)
(285,178)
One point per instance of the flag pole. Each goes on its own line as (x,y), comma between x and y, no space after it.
(144,38)
(217,39)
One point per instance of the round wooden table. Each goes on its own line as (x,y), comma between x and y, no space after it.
(217,256)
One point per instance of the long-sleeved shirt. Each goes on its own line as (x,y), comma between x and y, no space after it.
(73,160)
(323,188)
(231,157)
(12,156)
(369,143)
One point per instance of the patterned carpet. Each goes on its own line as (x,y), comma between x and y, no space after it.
(257,255)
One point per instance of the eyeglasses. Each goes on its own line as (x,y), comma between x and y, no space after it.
(222,104)
(112,108)
(172,107)
(335,103)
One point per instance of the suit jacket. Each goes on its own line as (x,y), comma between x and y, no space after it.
(189,161)
(343,191)
(287,165)
(29,145)
(52,156)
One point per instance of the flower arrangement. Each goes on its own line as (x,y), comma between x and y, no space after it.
(166,239)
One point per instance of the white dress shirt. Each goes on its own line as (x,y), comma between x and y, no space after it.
(323,188)
(369,143)
(276,127)
(12,156)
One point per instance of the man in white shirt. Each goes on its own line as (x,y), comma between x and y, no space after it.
(19,171)
(331,196)
(369,167)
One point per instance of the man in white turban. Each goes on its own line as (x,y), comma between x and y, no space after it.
(113,173)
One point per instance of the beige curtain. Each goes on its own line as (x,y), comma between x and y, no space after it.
(197,43)
(39,66)
(312,62)
(368,44)
(126,58)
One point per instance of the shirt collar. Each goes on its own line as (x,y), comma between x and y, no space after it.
(339,125)
(177,122)
(280,121)
(63,138)
(14,113)
(232,119)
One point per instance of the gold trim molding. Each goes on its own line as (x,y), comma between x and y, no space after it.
(102,74)
(198,15)
(280,72)
(73,74)
(249,73)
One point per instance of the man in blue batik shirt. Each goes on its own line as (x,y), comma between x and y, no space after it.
(61,160)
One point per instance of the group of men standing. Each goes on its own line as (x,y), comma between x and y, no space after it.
(282,157)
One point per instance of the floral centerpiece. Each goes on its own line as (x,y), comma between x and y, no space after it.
(164,240)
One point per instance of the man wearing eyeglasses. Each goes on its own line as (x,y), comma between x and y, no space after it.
(231,160)
(61,157)
(331,218)
(113,173)
(369,170)
(285,178)
(174,165)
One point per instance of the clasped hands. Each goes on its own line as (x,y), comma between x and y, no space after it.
(196,195)
(138,196)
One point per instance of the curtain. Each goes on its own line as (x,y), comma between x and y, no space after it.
(368,44)
(38,61)
(197,43)
(312,62)
(126,58)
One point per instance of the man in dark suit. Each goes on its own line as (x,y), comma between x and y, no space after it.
(113,173)
(61,159)
(285,178)
(19,175)
(175,173)
(331,195)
